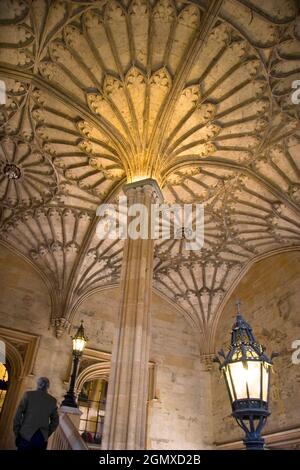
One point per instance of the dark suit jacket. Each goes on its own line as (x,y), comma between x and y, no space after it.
(37,410)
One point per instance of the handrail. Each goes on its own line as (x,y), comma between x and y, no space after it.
(67,436)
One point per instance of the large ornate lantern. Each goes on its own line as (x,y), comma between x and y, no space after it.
(246,369)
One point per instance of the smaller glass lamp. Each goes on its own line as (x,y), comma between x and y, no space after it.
(79,341)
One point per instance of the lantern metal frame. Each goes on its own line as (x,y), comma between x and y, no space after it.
(250,412)
(70,397)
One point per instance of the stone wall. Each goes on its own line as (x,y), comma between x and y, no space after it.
(177,419)
(270,295)
(25,305)
(179,416)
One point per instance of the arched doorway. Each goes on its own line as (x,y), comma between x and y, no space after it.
(91,387)
(10,394)
(92,402)
(4,383)
(92,381)
(21,349)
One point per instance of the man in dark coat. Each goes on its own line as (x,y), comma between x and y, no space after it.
(36,418)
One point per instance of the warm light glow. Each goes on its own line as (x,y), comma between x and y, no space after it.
(138,178)
(246,378)
(78,344)
(3,372)
(79,340)
(3,386)
(265,380)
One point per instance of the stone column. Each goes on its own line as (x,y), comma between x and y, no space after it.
(125,417)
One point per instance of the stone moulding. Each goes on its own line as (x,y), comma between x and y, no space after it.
(286,439)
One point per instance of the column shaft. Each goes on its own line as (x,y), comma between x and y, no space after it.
(125,417)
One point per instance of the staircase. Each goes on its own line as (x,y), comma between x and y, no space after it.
(66,436)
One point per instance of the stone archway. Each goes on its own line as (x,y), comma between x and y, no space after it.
(92,420)
(16,366)
(21,349)
(93,372)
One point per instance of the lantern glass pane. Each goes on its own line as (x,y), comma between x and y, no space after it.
(246,375)
(78,344)
(265,381)
(229,382)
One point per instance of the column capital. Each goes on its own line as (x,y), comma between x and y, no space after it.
(61,325)
(147,184)
(207,360)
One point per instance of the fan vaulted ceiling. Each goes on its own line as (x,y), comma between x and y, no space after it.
(196,94)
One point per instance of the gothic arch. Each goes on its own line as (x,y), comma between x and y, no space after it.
(21,350)
(93,372)
(14,251)
(17,366)
(234,285)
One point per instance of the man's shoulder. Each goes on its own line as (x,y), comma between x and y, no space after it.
(53,399)
(37,393)
(31,393)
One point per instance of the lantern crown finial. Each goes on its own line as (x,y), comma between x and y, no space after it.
(80,331)
(243,345)
(241,332)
